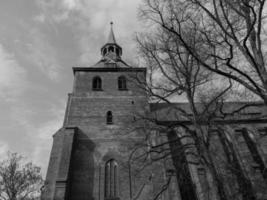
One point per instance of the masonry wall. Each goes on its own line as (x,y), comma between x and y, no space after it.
(97,142)
(238,167)
(86,142)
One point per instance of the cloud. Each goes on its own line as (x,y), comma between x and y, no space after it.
(71,4)
(20,115)
(89,21)
(39,18)
(43,136)
(58,33)
(38,132)
(12,77)
(43,142)
(43,55)
(3,150)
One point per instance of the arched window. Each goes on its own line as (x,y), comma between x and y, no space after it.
(97,83)
(111,179)
(105,51)
(109,117)
(111,49)
(122,83)
(117,52)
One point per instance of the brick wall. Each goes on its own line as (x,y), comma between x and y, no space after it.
(97,141)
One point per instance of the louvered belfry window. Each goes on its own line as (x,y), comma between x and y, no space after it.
(97,83)
(122,83)
(111,179)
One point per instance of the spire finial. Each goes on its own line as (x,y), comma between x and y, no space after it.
(111,38)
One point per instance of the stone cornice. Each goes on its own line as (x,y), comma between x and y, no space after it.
(108,69)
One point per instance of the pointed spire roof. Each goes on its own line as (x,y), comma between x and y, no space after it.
(111,49)
(111,52)
(111,37)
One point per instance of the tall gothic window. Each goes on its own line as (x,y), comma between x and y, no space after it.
(97,83)
(111,179)
(122,83)
(109,117)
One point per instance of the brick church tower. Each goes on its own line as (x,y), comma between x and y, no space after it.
(90,154)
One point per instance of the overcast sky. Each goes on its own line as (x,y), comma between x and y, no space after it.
(40,41)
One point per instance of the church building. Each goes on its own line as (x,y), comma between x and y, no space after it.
(100,151)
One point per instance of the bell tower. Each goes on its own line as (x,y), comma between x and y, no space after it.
(90,154)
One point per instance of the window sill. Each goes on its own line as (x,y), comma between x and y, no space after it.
(97,90)
(123,89)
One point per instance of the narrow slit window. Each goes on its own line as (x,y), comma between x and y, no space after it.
(97,83)
(122,83)
(109,117)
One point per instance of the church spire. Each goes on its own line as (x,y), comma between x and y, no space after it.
(111,37)
(111,50)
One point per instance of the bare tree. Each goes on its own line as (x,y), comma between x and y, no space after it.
(19,181)
(231,36)
(177,56)
(179,73)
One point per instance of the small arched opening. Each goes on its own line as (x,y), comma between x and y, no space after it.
(109,117)
(111,49)
(97,83)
